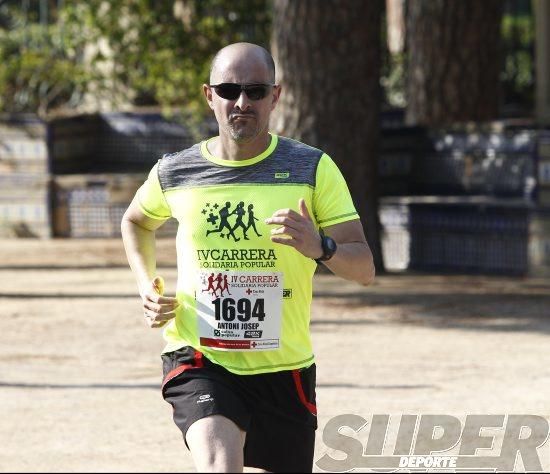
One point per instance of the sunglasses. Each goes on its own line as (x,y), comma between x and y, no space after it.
(232,91)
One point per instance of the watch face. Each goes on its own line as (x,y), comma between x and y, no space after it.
(329,248)
(331,245)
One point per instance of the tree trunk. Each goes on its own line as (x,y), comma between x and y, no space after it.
(453,61)
(395,25)
(328,62)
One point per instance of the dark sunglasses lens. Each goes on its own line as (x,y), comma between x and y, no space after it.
(228,91)
(256,92)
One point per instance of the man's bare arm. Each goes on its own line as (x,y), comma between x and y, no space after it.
(353,258)
(138,235)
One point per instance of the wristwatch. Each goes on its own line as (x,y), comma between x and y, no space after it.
(329,248)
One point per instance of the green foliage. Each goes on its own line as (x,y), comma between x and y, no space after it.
(518,69)
(143,52)
(37,73)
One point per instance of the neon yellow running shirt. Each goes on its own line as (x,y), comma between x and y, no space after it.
(245,301)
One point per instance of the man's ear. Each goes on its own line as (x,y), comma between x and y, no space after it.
(207,91)
(276,94)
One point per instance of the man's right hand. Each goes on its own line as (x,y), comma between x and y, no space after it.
(158,309)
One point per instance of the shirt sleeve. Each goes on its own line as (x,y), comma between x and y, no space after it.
(151,199)
(332,202)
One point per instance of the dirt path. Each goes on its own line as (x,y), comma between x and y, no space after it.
(79,370)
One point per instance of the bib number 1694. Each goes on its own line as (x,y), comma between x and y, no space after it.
(228,309)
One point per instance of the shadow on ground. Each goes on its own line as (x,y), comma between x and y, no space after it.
(492,311)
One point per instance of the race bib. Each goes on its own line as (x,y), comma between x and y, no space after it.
(239,311)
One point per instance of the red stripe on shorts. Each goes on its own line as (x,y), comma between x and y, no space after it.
(198,360)
(198,364)
(300,389)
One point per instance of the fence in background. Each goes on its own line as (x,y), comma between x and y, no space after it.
(25,192)
(92,205)
(465,234)
(113,142)
(74,177)
(472,199)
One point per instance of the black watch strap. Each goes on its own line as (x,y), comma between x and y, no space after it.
(329,248)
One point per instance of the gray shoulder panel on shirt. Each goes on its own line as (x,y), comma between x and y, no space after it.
(291,162)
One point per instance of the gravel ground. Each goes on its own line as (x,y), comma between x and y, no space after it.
(80,371)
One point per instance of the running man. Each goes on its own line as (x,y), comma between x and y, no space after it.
(239,371)
(210,287)
(225,286)
(239,210)
(224,223)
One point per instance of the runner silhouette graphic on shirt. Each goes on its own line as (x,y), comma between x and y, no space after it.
(211,285)
(239,210)
(218,281)
(223,284)
(251,220)
(224,223)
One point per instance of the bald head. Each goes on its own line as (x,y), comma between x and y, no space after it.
(242,58)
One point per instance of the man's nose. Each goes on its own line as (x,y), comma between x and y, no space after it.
(243,102)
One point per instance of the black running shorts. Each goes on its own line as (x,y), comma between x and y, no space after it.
(277,410)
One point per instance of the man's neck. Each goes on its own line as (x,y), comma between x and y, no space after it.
(226,148)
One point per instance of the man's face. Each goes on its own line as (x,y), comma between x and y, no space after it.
(243,118)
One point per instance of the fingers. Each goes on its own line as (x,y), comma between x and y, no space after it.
(154,315)
(288,213)
(160,308)
(158,315)
(156,323)
(292,233)
(295,233)
(289,218)
(286,221)
(285,241)
(296,230)
(156,298)
(291,214)
(292,224)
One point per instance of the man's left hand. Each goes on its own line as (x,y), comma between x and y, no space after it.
(296,230)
